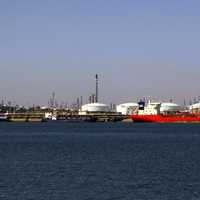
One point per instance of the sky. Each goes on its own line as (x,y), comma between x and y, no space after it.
(139,49)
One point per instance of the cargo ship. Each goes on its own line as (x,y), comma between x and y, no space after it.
(168,112)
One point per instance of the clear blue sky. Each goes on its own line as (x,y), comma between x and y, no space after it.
(139,48)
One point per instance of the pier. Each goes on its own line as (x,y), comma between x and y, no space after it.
(89,117)
(94,117)
(25,117)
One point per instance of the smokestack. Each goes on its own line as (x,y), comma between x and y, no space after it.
(90,99)
(97,87)
(78,103)
(93,98)
(81,100)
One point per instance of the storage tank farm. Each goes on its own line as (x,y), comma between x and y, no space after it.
(94,106)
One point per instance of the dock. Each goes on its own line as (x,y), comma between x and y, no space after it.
(94,117)
(25,117)
(89,117)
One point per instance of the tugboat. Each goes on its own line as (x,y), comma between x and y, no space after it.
(153,112)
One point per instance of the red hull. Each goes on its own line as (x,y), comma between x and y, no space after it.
(166,118)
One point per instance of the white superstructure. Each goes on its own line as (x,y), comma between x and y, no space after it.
(154,108)
(48,115)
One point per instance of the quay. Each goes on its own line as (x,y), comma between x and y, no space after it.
(25,117)
(95,117)
(89,117)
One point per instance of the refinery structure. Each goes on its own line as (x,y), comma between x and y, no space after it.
(144,110)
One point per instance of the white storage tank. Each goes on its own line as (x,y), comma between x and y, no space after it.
(170,107)
(127,108)
(95,107)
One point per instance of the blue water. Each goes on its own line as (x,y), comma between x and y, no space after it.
(86,161)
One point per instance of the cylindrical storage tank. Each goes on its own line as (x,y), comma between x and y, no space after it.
(95,107)
(170,107)
(127,108)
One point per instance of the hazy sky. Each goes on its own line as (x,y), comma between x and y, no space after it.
(138,48)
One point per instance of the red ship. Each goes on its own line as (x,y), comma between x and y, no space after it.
(153,112)
(166,118)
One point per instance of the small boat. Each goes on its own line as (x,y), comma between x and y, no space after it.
(3,117)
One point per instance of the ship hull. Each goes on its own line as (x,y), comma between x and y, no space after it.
(166,118)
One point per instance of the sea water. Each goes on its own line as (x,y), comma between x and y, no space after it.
(86,161)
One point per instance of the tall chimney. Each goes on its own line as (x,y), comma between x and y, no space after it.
(97,87)
(93,98)
(90,99)
(81,101)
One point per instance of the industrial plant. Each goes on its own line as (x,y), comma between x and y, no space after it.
(145,110)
